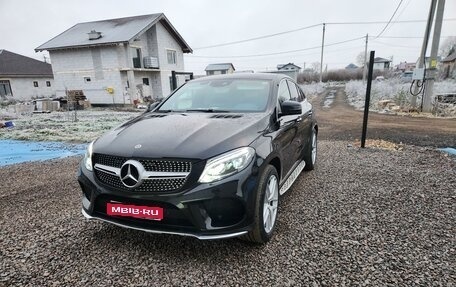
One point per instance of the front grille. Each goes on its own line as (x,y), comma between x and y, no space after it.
(148,185)
(149,165)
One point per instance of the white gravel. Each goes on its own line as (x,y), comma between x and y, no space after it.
(363,217)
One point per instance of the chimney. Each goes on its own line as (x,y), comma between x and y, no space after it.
(93,35)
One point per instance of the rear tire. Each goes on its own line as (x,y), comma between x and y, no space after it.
(266,207)
(310,156)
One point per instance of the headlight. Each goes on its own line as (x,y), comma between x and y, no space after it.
(88,157)
(227,164)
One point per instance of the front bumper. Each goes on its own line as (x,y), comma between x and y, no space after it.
(218,210)
(201,237)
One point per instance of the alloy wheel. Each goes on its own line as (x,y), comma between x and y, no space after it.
(271,200)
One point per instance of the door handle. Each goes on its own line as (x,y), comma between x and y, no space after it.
(298,119)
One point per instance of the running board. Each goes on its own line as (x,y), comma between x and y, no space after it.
(293,176)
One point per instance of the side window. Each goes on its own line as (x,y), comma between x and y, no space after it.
(283,93)
(301,95)
(293,91)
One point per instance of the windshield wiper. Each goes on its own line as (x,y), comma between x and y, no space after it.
(207,110)
(163,111)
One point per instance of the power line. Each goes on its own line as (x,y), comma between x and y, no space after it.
(312,26)
(298,56)
(257,38)
(382,22)
(392,16)
(402,11)
(394,45)
(406,37)
(276,53)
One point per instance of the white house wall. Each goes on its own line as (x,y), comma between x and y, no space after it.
(167,41)
(72,66)
(155,42)
(379,66)
(23,89)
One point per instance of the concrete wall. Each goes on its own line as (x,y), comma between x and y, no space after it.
(73,66)
(381,66)
(24,90)
(165,42)
(220,72)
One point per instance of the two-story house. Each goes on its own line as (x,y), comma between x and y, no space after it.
(118,60)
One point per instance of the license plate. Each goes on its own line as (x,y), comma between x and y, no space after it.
(147,212)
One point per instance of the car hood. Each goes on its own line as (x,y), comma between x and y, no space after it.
(182,135)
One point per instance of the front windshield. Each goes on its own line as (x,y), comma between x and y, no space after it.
(221,95)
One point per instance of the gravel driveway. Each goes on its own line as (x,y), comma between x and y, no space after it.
(363,217)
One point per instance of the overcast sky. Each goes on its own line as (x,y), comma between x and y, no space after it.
(27,24)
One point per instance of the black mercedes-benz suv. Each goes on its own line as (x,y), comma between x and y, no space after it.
(209,161)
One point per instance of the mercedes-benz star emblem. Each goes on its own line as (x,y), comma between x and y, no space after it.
(131,173)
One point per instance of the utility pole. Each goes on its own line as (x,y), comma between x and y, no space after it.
(422,57)
(429,89)
(321,59)
(365,59)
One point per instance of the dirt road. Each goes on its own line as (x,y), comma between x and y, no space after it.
(340,121)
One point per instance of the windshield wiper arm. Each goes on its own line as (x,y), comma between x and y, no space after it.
(207,110)
(163,111)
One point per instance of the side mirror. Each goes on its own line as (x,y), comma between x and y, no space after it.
(290,108)
(152,106)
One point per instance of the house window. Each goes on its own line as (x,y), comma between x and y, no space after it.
(145,81)
(137,58)
(87,79)
(172,56)
(224,72)
(48,83)
(35,84)
(5,88)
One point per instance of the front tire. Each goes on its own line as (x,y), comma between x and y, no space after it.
(310,156)
(266,207)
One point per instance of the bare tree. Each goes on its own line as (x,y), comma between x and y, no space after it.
(360,59)
(316,66)
(448,46)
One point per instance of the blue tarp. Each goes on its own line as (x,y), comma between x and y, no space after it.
(449,150)
(13,151)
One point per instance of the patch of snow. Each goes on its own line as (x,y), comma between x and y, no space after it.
(313,90)
(59,126)
(329,99)
(394,90)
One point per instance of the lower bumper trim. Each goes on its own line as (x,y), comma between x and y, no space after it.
(201,237)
